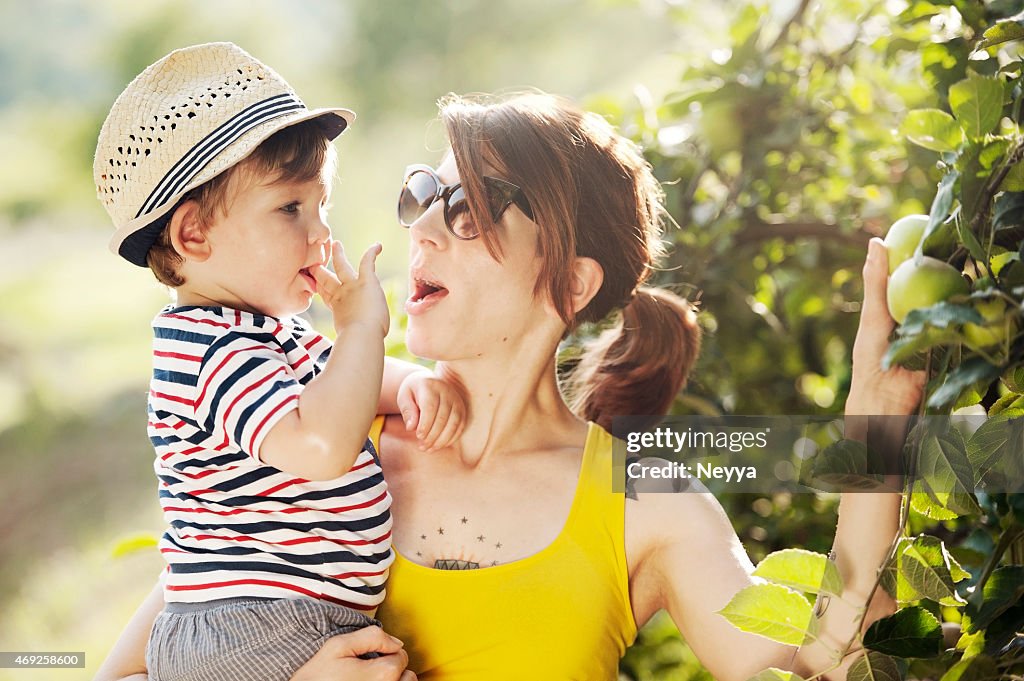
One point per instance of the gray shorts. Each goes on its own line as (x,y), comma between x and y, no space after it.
(243,639)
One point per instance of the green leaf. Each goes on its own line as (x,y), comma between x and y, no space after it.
(1014,181)
(846,463)
(968,398)
(773,674)
(972,186)
(946,472)
(974,370)
(918,10)
(1004,588)
(772,611)
(1003,32)
(922,502)
(941,204)
(977,668)
(874,666)
(910,632)
(974,247)
(903,349)
(932,129)
(941,315)
(977,103)
(993,446)
(893,580)
(930,571)
(993,151)
(134,543)
(1009,210)
(1004,629)
(802,570)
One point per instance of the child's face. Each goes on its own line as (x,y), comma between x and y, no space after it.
(265,243)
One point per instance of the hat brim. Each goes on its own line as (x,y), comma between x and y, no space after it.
(133,240)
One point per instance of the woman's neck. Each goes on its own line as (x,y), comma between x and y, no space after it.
(513,404)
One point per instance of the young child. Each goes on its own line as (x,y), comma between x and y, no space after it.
(217,178)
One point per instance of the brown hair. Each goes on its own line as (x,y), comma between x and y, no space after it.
(593,195)
(298,153)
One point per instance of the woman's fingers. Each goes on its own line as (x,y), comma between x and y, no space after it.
(386,668)
(338,659)
(875,322)
(362,641)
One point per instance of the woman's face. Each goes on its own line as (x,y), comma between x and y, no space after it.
(462,303)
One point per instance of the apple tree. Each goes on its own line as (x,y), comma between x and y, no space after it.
(783,152)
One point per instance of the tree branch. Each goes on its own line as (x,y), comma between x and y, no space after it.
(797,17)
(984,203)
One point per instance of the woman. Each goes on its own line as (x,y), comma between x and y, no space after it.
(515,558)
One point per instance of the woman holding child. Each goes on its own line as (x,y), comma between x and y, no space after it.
(514,558)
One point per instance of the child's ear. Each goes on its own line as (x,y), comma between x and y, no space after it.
(187,234)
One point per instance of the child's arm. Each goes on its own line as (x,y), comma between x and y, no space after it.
(395,372)
(321,438)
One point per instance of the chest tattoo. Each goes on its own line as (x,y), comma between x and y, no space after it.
(455,565)
(459,533)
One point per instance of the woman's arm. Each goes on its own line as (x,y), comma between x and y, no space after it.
(337,660)
(694,566)
(127,659)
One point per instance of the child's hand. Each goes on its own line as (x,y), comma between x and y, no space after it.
(352,298)
(434,408)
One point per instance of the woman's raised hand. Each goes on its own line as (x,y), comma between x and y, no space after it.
(338,659)
(874,391)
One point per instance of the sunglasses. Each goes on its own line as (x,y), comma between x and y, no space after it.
(422,187)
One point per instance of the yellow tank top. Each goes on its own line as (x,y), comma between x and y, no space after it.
(562,613)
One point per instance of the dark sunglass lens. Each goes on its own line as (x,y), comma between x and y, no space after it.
(419,192)
(460,221)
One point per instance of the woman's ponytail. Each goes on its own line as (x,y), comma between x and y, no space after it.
(638,366)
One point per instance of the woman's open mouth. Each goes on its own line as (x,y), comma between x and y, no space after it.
(425,294)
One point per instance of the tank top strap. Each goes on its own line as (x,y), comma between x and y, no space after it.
(599,517)
(376,428)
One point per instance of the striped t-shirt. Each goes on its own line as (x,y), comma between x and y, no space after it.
(237,527)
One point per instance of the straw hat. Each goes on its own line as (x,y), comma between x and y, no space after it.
(182,121)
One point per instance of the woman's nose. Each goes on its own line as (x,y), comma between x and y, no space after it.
(429,228)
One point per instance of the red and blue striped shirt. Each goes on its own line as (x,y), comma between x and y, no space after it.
(237,527)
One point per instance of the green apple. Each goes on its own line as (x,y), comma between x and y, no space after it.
(912,286)
(996,329)
(905,234)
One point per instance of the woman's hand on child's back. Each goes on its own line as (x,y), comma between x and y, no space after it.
(353,298)
(434,408)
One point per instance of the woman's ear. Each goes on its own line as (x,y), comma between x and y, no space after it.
(587,277)
(187,234)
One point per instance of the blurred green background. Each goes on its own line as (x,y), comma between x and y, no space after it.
(773,124)
(77,487)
